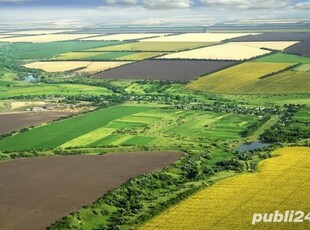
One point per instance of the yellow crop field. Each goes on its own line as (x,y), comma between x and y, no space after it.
(268,45)
(96,67)
(123,37)
(82,66)
(281,184)
(198,37)
(237,78)
(38,32)
(58,66)
(227,51)
(47,38)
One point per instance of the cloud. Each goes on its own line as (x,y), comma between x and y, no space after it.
(167,4)
(121,2)
(302,5)
(153,4)
(247,4)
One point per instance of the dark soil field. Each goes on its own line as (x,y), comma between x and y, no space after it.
(16,121)
(302,48)
(174,70)
(273,37)
(36,192)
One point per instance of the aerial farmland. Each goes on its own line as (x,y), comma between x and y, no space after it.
(148,124)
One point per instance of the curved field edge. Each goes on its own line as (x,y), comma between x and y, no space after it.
(232,202)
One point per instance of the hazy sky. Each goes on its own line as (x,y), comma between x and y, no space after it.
(153,11)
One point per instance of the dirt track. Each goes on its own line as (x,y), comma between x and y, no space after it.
(36,192)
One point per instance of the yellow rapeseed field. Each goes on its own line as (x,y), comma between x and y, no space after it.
(282,183)
(237,78)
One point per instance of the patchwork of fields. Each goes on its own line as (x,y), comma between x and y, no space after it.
(203,94)
(131,125)
(165,70)
(282,183)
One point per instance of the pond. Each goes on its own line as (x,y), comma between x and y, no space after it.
(251,146)
(29,79)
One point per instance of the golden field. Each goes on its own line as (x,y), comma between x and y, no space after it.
(237,78)
(268,45)
(47,38)
(227,51)
(82,66)
(122,37)
(198,37)
(96,67)
(281,183)
(58,66)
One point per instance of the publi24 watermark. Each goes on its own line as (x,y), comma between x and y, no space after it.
(278,217)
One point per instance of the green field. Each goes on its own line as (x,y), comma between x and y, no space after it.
(282,83)
(103,56)
(284,58)
(154,46)
(303,68)
(58,133)
(48,89)
(132,125)
(50,49)
(245,79)
(213,125)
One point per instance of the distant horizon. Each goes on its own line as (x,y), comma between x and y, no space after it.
(151,12)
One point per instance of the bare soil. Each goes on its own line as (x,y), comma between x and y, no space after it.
(10,122)
(36,192)
(173,70)
(302,48)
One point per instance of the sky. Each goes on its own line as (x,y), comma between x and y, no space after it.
(153,11)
